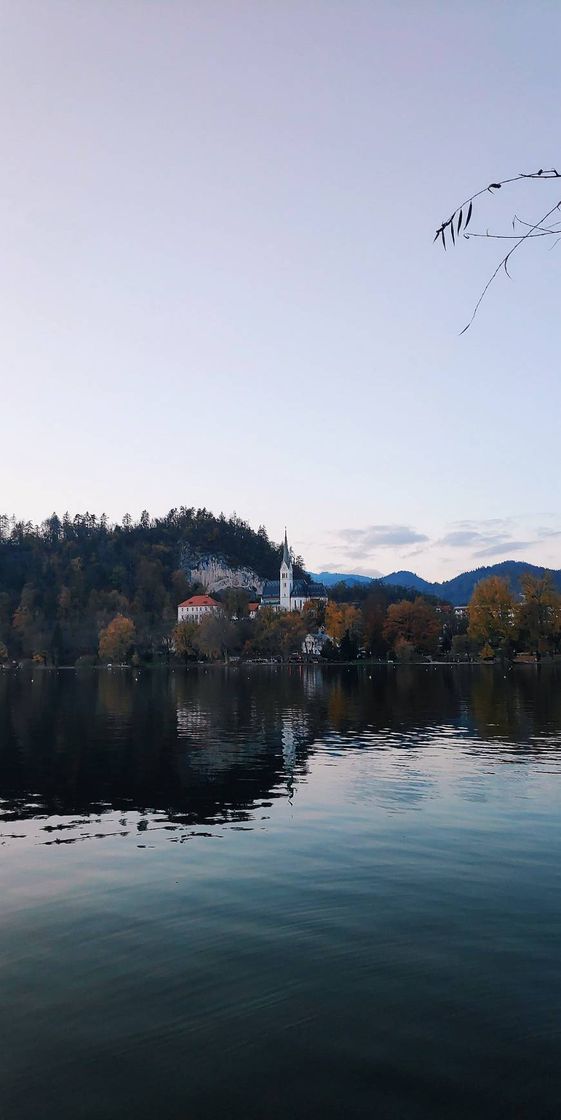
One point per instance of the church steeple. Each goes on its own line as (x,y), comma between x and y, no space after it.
(286,553)
(285,576)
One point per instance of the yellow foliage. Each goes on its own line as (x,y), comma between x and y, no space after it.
(491,612)
(116,639)
(183,637)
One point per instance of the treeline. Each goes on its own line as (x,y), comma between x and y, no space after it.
(500,624)
(62,582)
(386,622)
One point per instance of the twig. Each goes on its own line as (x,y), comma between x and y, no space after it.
(459,220)
(505,260)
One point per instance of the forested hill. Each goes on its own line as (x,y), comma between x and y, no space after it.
(78,572)
(459,590)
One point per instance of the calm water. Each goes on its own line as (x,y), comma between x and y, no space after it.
(281,893)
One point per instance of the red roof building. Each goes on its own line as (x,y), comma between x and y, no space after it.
(196,608)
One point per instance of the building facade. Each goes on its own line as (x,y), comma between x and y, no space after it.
(287,593)
(196,608)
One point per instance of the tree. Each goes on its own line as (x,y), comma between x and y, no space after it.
(334,621)
(460,646)
(313,614)
(374,617)
(290,632)
(548,225)
(116,639)
(416,623)
(236,602)
(183,639)
(539,614)
(277,633)
(215,636)
(340,618)
(491,614)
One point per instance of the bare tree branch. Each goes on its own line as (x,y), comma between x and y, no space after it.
(505,260)
(459,221)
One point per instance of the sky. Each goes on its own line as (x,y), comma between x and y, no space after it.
(218,285)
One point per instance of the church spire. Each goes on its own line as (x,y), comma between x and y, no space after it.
(285,583)
(286,553)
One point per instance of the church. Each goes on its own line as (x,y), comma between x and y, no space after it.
(287,593)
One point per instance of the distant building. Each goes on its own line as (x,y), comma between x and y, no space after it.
(288,594)
(196,608)
(314,642)
(252,609)
(461,612)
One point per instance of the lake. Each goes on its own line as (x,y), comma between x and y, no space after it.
(264,892)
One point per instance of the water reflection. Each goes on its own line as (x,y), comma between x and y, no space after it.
(207,746)
(334,891)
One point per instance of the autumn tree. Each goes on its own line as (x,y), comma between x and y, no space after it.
(539,614)
(342,618)
(277,632)
(183,639)
(215,636)
(116,639)
(290,631)
(334,621)
(313,614)
(491,614)
(415,623)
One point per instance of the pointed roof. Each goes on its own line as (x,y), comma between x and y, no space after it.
(286,553)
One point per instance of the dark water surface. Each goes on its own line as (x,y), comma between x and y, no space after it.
(281,893)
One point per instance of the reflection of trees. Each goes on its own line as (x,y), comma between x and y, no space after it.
(524,705)
(495,710)
(211,744)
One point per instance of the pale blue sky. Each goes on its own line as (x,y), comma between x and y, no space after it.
(218,285)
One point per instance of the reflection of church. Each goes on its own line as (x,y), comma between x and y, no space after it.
(287,593)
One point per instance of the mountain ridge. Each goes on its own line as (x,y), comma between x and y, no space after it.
(457,591)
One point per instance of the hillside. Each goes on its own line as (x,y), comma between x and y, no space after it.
(62,580)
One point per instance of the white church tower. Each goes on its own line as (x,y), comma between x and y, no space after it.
(286,579)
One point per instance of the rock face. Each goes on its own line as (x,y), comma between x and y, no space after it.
(215,575)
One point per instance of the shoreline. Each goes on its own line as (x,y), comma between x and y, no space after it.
(363,663)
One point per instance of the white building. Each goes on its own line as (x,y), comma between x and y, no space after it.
(314,642)
(196,608)
(287,593)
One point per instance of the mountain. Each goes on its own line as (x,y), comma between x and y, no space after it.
(459,590)
(410,579)
(330,578)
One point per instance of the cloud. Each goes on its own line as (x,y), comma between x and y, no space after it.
(544,534)
(463,543)
(494,536)
(417,551)
(471,538)
(504,548)
(488,524)
(380,536)
(461,538)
